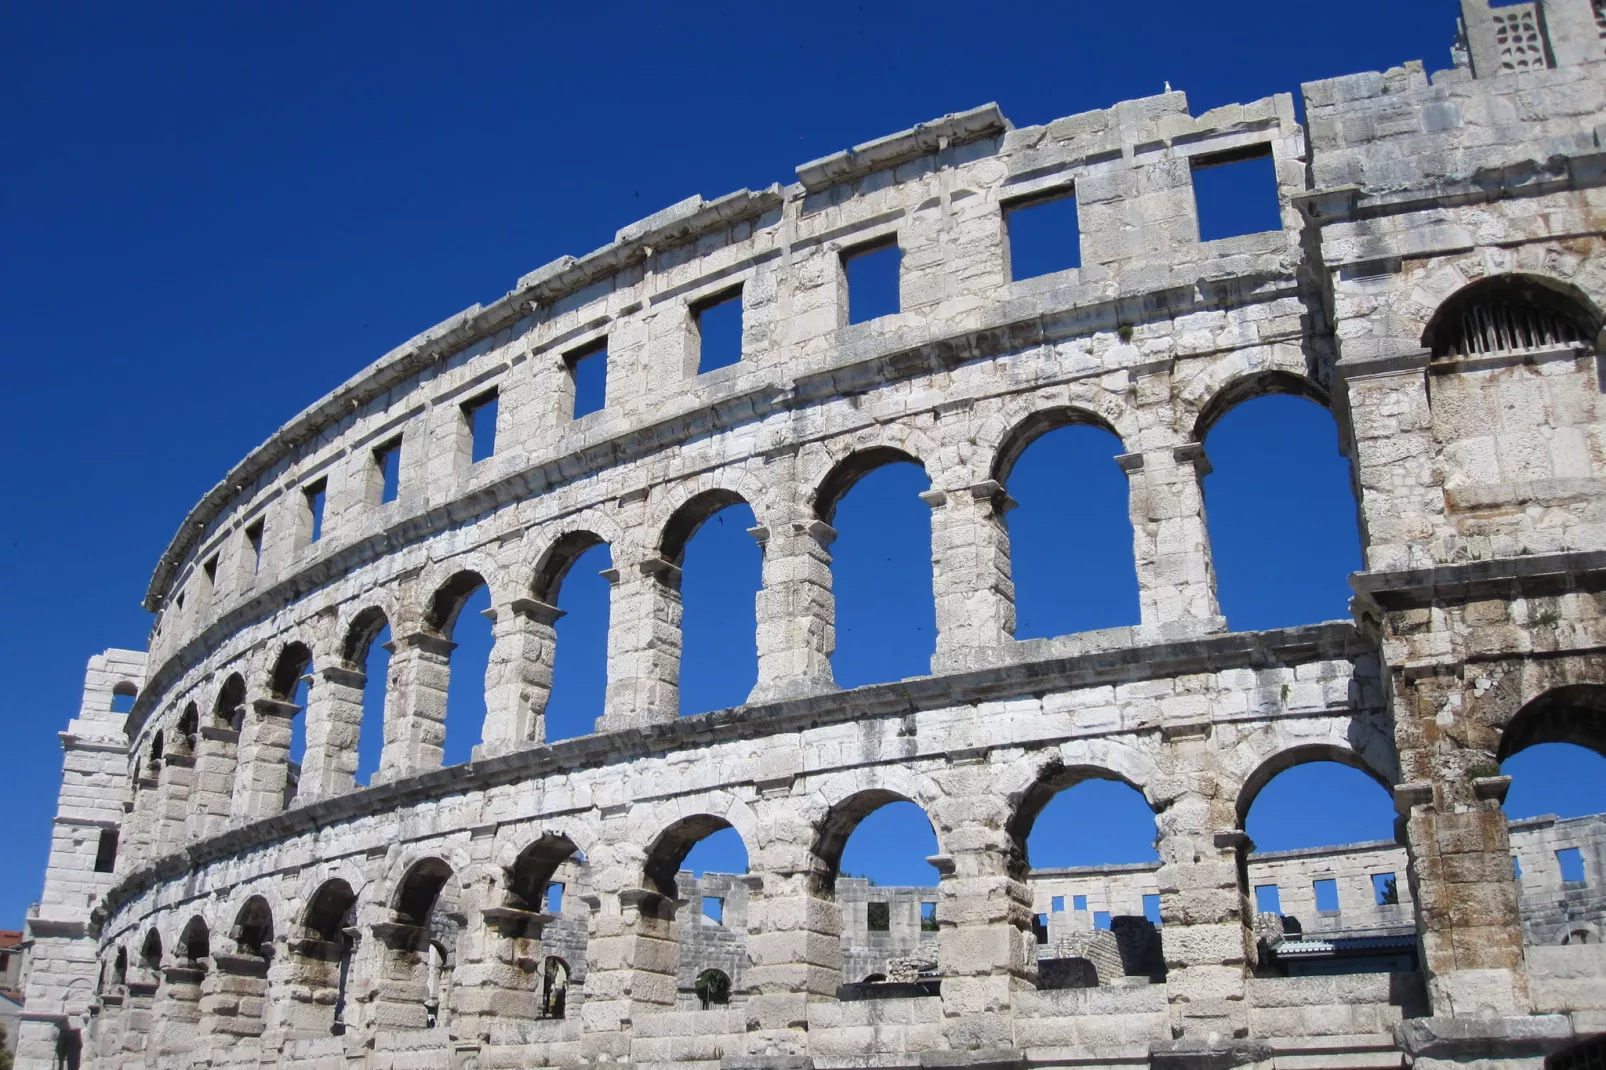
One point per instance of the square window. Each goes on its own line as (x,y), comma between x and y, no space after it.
(1151,909)
(1057,904)
(588,372)
(387,461)
(1040,928)
(1571,860)
(1078,902)
(313,496)
(1044,234)
(1101,919)
(480,414)
(873,273)
(1268,899)
(1387,889)
(714,909)
(253,547)
(1236,193)
(210,568)
(718,323)
(878,914)
(928,917)
(554,898)
(1326,896)
(106,851)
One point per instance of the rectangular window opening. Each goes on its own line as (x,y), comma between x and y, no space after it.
(1078,902)
(1571,860)
(878,914)
(210,568)
(714,909)
(1326,896)
(928,917)
(106,851)
(1040,928)
(1236,193)
(314,497)
(480,412)
(1268,899)
(1044,234)
(387,462)
(554,898)
(1101,919)
(874,276)
(253,547)
(1057,904)
(1151,909)
(1516,868)
(588,372)
(718,324)
(1386,886)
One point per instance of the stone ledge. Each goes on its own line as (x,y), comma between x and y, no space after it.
(1464,1038)
(1501,577)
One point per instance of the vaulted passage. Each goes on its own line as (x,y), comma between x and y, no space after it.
(1281,513)
(1070,534)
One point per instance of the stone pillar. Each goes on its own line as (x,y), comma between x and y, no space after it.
(334,723)
(234,999)
(178,1012)
(1170,544)
(794,943)
(970,579)
(985,946)
(1460,850)
(216,763)
(415,705)
(138,842)
(1204,909)
(264,772)
(632,953)
(177,782)
(643,646)
(796,612)
(518,678)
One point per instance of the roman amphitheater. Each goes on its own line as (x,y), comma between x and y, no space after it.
(1437,282)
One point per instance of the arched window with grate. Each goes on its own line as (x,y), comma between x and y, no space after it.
(1508,314)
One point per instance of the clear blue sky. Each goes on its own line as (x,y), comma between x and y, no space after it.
(212,214)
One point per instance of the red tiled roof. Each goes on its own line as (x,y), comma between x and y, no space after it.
(10,937)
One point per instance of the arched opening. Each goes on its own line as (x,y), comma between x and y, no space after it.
(291,682)
(150,957)
(698,867)
(123,696)
(713,988)
(459,612)
(188,972)
(1086,840)
(881,578)
(189,727)
(253,929)
(367,650)
(554,987)
(120,968)
(720,572)
(571,580)
(542,920)
(228,713)
(1554,751)
(1510,314)
(1283,523)
(422,943)
(324,953)
(195,943)
(873,849)
(1327,880)
(1070,532)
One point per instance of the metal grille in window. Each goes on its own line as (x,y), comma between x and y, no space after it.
(1507,318)
(1517,34)
(1588,1055)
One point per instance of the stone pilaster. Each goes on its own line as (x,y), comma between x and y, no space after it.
(1171,547)
(415,706)
(216,765)
(264,772)
(975,597)
(518,678)
(796,612)
(334,723)
(794,946)
(644,644)
(176,785)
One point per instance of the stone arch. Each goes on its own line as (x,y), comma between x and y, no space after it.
(195,941)
(448,598)
(1511,311)
(1264,382)
(558,558)
(1052,777)
(150,952)
(330,910)
(677,515)
(526,878)
(1208,390)
(1570,713)
(1033,426)
(514,840)
(422,886)
(359,633)
(229,709)
(186,731)
(1287,758)
(843,816)
(847,471)
(674,842)
(294,659)
(253,928)
(684,522)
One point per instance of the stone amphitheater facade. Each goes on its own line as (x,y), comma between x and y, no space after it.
(1437,282)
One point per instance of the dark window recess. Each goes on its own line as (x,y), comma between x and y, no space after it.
(253,546)
(928,917)
(123,696)
(873,280)
(1040,927)
(554,898)
(106,851)
(1571,860)
(315,496)
(179,601)
(1236,193)
(588,370)
(1268,899)
(210,568)
(1151,909)
(387,460)
(1044,235)
(878,916)
(481,416)
(719,331)
(1326,896)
